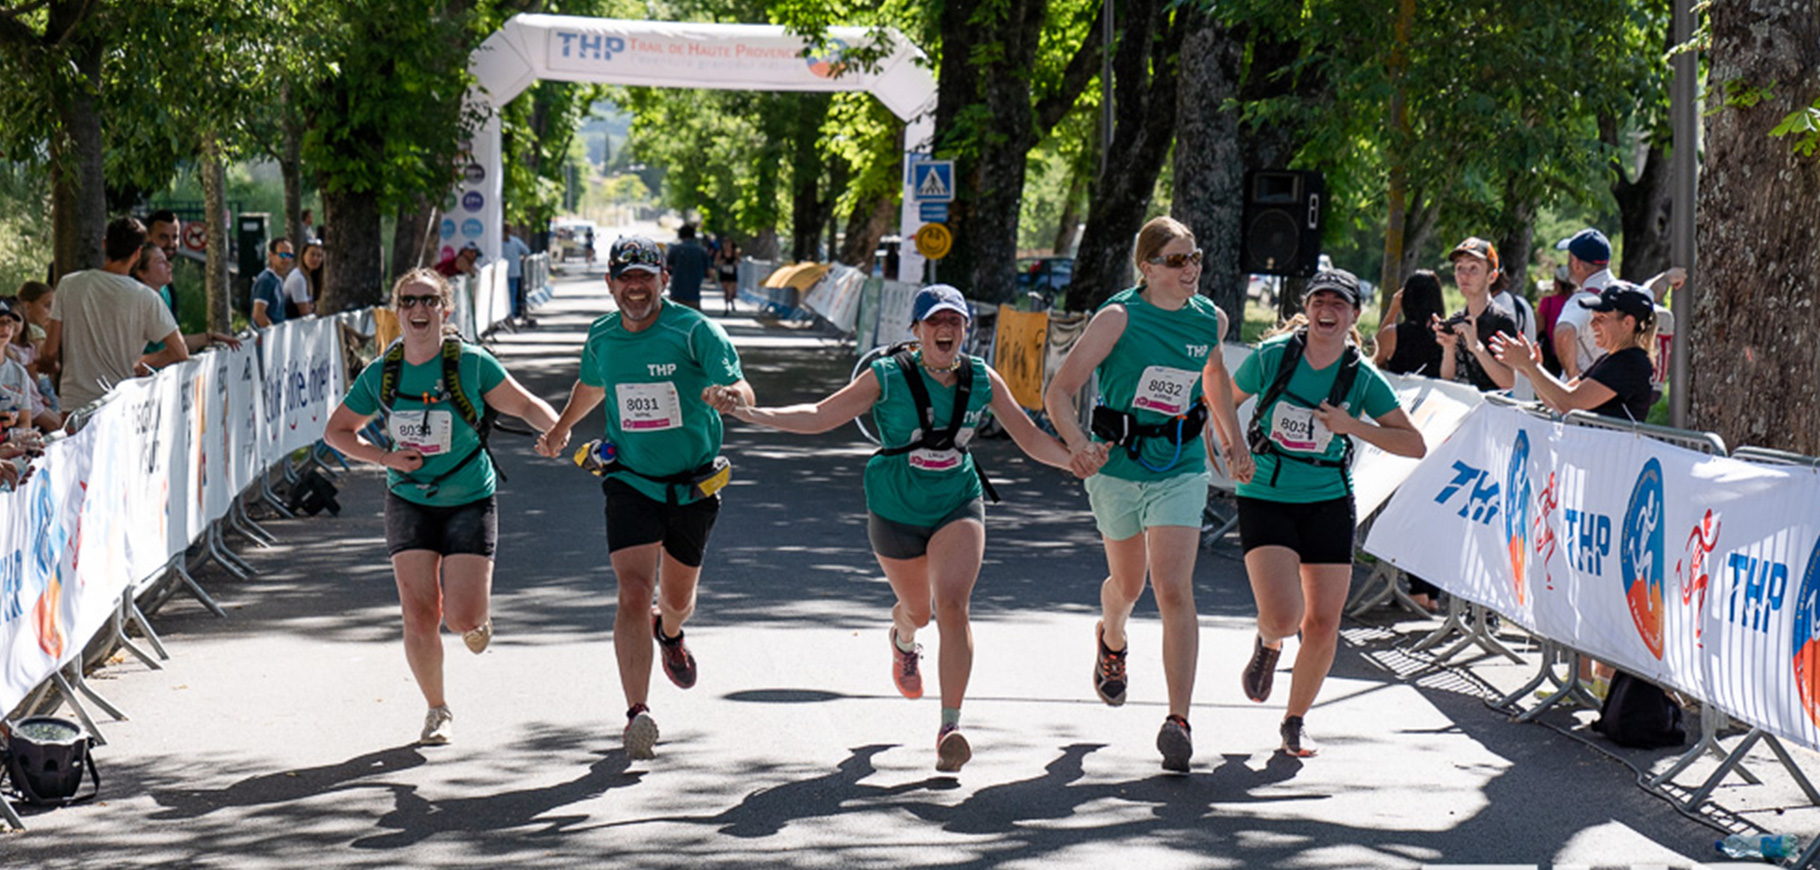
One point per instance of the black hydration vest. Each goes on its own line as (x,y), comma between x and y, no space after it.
(932,438)
(479,419)
(1260,442)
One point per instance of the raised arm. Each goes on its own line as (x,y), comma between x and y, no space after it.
(510,397)
(848,402)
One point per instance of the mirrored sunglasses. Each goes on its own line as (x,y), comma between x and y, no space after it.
(637,256)
(408,302)
(1177,261)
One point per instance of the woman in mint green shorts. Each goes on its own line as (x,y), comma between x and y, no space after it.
(1156,349)
(924,500)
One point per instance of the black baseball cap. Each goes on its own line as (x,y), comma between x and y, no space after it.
(634,253)
(1338,281)
(1624,298)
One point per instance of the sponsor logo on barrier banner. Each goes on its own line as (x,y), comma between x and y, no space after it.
(1807,637)
(828,62)
(1516,513)
(1481,502)
(588,45)
(1691,573)
(1640,553)
(1547,501)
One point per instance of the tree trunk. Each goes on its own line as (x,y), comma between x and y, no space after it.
(216,290)
(1068,226)
(1645,207)
(413,238)
(290,166)
(807,196)
(78,177)
(1418,228)
(1390,277)
(1754,318)
(1209,179)
(1144,111)
(864,229)
(353,275)
(1515,243)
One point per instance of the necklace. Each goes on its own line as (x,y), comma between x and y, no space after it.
(936,370)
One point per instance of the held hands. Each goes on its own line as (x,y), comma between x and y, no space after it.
(550,444)
(726,400)
(406,460)
(1239,464)
(1517,352)
(1085,461)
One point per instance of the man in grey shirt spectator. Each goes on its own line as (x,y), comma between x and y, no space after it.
(102,319)
(688,265)
(268,288)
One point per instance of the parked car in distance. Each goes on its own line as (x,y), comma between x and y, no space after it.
(1047,277)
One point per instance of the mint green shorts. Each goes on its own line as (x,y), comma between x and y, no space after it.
(1123,508)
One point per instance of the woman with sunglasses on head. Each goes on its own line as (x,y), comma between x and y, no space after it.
(435,392)
(925,505)
(1156,348)
(1296,513)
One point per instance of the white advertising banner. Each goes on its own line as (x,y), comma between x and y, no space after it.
(1699,572)
(46,611)
(836,296)
(302,380)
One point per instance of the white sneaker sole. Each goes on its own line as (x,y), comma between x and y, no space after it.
(952,752)
(641,737)
(477,639)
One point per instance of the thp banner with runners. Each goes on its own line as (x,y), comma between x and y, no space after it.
(1699,572)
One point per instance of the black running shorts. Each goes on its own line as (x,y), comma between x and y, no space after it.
(635,519)
(472,528)
(1320,532)
(895,540)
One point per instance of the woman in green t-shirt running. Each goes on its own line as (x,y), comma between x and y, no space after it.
(1296,514)
(924,502)
(441,520)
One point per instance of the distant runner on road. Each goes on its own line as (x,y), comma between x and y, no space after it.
(925,504)
(436,394)
(658,360)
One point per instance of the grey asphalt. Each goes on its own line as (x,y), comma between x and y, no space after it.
(281,736)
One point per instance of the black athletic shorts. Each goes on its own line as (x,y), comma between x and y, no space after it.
(1320,532)
(469,528)
(894,540)
(635,519)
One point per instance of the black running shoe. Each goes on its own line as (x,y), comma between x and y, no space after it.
(1175,744)
(1296,741)
(1109,670)
(679,663)
(1260,671)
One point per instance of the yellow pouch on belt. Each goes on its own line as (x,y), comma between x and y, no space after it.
(711,483)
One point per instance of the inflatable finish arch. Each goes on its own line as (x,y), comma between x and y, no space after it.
(748,57)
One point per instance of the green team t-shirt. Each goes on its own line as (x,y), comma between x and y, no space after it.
(434,427)
(920,487)
(1154,372)
(1290,425)
(654,378)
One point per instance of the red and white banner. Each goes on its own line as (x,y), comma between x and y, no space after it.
(1699,572)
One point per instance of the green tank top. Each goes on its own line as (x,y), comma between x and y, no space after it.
(920,487)
(1154,372)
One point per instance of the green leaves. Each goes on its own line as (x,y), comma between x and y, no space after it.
(1803,129)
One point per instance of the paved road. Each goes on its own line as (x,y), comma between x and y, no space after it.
(281,736)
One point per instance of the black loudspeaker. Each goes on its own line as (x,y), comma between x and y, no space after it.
(1282,222)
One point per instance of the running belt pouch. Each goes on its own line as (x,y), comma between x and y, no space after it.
(1639,714)
(712,478)
(1110,425)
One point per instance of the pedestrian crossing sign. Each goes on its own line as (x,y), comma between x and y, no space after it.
(933,180)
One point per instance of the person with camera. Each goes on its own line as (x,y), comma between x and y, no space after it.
(1465,337)
(436,394)
(1156,349)
(1296,513)
(660,361)
(925,505)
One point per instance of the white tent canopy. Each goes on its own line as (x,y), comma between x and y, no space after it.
(675,55)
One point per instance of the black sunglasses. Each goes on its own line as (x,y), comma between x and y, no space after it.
(637,256)
(1177,261)
(408,302)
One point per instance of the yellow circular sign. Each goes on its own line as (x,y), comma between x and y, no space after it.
(933,241)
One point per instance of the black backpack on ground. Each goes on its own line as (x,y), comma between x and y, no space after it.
(1639,714)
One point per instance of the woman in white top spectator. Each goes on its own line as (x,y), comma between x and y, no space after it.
(304,282)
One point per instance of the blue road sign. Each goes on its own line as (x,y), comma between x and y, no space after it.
(932,212)
(933,180)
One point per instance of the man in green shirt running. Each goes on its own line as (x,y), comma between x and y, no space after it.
(659,361)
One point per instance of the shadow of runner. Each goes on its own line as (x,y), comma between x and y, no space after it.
(288,786)
(417,819)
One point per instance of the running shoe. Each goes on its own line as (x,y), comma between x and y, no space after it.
(1109,669)
(951,749)
(679,663)
(438,727)
(1175,744)
(904,671)
(1260,671)
(1296,741)
(641,733)
(478,638)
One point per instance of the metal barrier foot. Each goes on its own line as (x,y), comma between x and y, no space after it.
(225,557)
(119,627)
(13,822)
(189,583)
(68,693)
(1546,674)
(252,531)
(139,619)
(270,497)
(1451,624)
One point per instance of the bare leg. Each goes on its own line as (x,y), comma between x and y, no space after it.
(1172,552)
(1324,587)
(420,598)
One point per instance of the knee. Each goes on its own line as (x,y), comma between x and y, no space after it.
(950,611)
(1320,628)
(1278,626)
(1174,597)
(918,616)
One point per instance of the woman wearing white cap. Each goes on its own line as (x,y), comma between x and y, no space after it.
(1296,513)
(924,495)
(1156,349)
